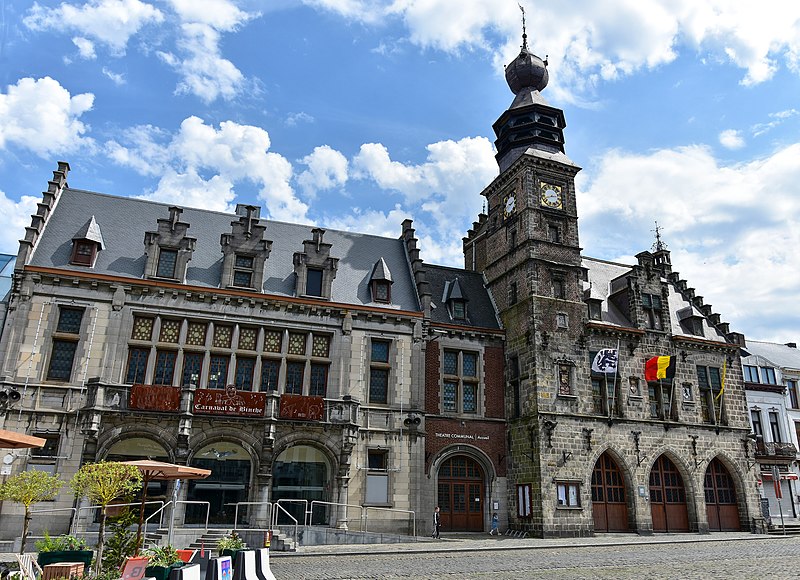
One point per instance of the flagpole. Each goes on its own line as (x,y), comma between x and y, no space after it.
(721,390)
(614,386)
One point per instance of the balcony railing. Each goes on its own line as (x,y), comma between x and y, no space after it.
(775,449)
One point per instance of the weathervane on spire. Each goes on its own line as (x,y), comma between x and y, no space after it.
(659,245)
(524,34)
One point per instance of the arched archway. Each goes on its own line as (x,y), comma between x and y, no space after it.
(302,472)
(609,498)
(668,497)
(229,483)
(722,507)
(133,448)
(460,494)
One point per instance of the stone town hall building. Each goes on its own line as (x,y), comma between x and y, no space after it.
(302,365)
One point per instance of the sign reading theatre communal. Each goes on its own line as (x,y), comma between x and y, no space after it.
(229,402)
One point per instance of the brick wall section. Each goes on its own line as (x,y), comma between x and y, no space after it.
(488,436)
(494,381)
(432,379)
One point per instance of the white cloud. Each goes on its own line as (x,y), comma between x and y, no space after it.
(117,79)
(110,22)
(16,217)
(200,165)
(437,186)
(777,118)
(40,115)
(732,229)
(85,48)
(205,73)
(327,168)
(294,118)
(731,139)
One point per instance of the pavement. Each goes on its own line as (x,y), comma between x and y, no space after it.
(461,542)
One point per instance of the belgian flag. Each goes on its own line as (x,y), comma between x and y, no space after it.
(659,367)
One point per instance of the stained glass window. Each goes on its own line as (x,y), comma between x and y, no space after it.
(142,328)
(244,373)
(450,390)
(61,359)
(165,367)
(450,362)
(380,351)
(218,371)
(137,365)
(379,372)
(319,380)
(192,366)
(222,336)
(170,331)
(270,370)
(196,334)
(69,320)
(320,345)
(272,340)
(297,343)
(470,398)
(294,378)
(167,260)
(470,364)
(247,338)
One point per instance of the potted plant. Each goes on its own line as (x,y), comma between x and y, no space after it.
(230,545)
(161,559)
(64,548)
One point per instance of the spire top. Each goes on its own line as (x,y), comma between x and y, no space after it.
(524,33)
(659,245)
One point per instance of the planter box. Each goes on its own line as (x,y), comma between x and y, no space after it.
(84,556)
(231,553)
(160,572)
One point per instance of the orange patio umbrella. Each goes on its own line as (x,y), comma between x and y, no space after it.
(14,440)
(161,471)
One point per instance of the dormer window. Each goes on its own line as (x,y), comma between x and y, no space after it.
(381,282)
(456,300)
(459,310)
(314,267)
(86,243)
(167,259)
(83,252)
(594,309)
(243,271)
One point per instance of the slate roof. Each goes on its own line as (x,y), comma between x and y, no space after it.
(125,220)
(481,311)
(602,272)
(780,355)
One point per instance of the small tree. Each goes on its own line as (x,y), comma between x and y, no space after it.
(28,488)
(102,483)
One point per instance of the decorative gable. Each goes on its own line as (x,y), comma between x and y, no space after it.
(245,251)
(169,249)
(86,243)
(455,300)
(314,267)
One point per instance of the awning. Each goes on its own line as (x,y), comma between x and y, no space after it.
(14,440)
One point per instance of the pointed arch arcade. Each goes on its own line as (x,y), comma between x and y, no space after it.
(609,496)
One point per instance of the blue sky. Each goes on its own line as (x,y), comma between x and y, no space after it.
(357,114)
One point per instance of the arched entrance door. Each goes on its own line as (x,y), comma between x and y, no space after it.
(609,504)
(227,485)
(460,494)
(302,473)
(668,498)
(722,508)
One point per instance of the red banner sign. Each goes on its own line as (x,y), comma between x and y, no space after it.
(155,398)
(229,401)
(302,408)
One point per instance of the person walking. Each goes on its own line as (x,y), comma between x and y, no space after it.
(495,531)
(437,523)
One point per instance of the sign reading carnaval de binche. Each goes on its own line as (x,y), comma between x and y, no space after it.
(229,402)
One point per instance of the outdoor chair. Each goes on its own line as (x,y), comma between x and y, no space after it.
(29,568)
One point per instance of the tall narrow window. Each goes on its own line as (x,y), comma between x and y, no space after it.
(379,372)
(750,373)
(294,378)
(791,387)
(651,303)
(65,344)
(514,379)
(218,371)
(243,267)
(460,393)
(270,370)
(314,282)
(165,367)
(167,261)
(768,376)
(137,365)
(774,427)
(245,366)
(709,382)
(755,419)
(192,367)
(559,289)
(319,380)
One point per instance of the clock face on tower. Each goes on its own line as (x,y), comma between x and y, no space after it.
(509,203)
(550,195)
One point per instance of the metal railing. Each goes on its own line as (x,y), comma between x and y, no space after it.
(206,503)
(73,520)
(275,513)
(346,505)
(150,517)
(413,516)
(114,505)
(306,520)
(236,513)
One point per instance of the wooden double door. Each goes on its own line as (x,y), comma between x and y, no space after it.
(609,500)
(461,495)
(668,498)
(722,507)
